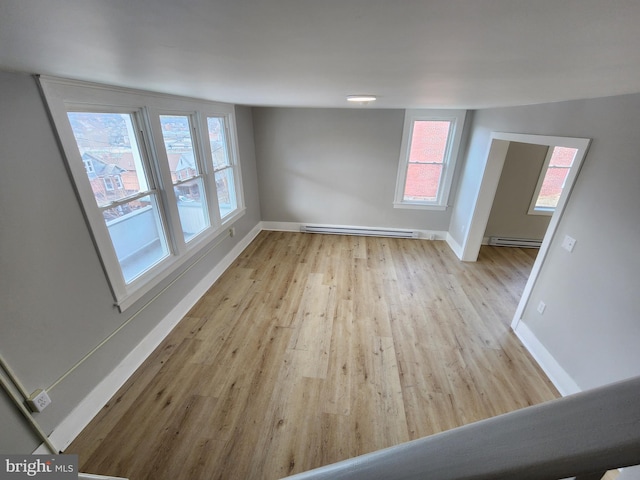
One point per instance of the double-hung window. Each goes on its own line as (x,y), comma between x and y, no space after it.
(553,176)
(430,144)
(157,177)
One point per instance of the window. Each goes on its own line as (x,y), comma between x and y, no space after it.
(186,173)
(223,165)
(430,144)
(88,165)
(146,177)
(552,179)
(108,184)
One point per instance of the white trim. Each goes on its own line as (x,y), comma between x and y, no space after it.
(89,407)
(548,211)
(497,151)
(496,155)
(453,245)
(558,376)
(62,96)
(296,227)
(452,151)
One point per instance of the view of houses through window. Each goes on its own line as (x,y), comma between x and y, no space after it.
(185,174)
(223,168)
(119,180)
(118,173)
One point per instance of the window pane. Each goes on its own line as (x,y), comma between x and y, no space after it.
(109,149)
(192,208)
(137,235)
(226,192)
(178,143)
(552,187)
(422,182)
(555,177)
(218,142)
(190,195)
(562,157)
(429,141)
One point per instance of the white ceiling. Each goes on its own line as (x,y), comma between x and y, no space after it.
(429,53)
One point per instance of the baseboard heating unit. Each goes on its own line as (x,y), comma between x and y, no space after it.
(366,232)
(514,242)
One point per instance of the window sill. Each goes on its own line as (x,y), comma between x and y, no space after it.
(544,212)
(151,279)
(419,206)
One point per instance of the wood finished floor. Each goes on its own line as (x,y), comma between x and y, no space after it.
(312,349)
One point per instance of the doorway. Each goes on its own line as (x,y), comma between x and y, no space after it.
(499,147)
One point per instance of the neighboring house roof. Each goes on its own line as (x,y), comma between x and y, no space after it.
(185,161)
(101,168)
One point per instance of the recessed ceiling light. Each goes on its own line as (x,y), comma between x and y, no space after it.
(362,98)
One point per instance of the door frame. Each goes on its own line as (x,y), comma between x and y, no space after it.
(499,145)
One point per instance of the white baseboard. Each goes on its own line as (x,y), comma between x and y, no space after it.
(295,227)
(558,376)
(455,246)
(89,407)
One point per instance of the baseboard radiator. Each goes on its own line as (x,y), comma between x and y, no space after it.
(365,232)
(514,242)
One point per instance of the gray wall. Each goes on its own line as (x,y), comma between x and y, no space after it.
(518,181)
(55,302)
(333,166)
(591,325)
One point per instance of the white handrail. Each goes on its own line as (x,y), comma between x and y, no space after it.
(588,432)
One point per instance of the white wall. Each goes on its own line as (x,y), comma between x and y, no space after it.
(333,166)
(591,326)
(509,215)
(55,301)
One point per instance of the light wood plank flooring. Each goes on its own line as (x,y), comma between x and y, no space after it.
(314,348)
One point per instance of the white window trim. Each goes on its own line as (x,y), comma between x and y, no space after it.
(546,211)
(457,119)
(63,95)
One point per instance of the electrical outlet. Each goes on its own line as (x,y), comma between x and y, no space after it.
(568,243)
(541,307)
(232,232)
(38,401)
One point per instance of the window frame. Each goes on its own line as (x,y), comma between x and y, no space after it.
(232,159)
(548,211)
(64,95)
(457,122)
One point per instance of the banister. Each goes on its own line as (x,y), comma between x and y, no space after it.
(588,432)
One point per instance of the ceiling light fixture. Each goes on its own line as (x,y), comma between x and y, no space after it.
(361,98)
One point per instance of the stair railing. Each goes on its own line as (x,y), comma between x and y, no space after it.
(581,436)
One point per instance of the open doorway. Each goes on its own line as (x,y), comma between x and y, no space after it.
(499,147)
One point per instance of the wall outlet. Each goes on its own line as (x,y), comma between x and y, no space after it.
(232,232)
(38,401)
(568,243)
(541,307)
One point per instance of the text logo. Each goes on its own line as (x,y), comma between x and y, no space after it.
(51,467)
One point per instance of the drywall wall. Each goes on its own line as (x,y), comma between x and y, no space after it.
(509,215)
(56,303)
(333,166)
(591,326)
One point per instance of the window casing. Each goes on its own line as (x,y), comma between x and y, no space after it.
(144,174)
(430,146)
(553,176)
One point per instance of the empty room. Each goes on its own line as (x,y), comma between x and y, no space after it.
(355,239)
